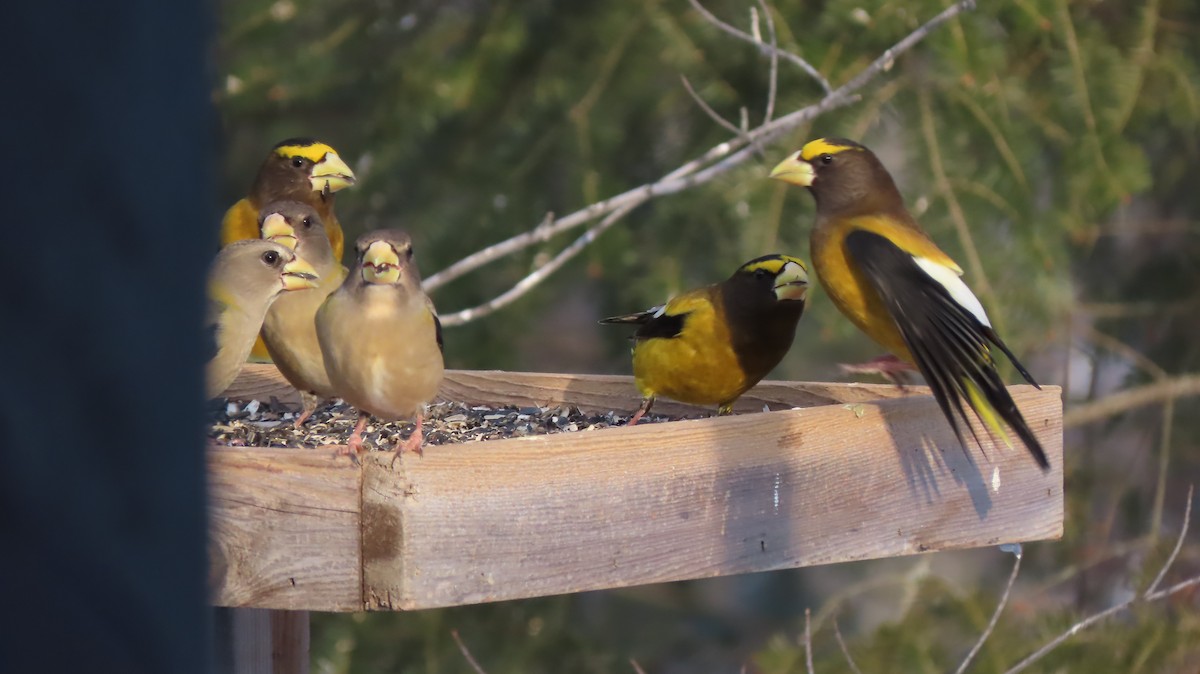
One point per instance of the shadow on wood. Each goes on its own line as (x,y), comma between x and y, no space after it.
(860,471)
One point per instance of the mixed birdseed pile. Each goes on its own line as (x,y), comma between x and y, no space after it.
(259,424)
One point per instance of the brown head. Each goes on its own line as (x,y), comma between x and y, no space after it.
(385,258)
(297,226)
(845,178)
(301,169)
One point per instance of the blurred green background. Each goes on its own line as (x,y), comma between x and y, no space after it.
(1049,145)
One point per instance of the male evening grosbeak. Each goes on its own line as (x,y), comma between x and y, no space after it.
(885,274)
(708,346)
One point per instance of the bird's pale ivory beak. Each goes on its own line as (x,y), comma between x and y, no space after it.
(299,274)
(794,170)
(381,263)
(331,174)
(791,283)
(276,228)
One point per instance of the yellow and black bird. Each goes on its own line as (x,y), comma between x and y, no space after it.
(381,338)
(289,330)
(708,346)
(888,277)
(296,169)
(245,278)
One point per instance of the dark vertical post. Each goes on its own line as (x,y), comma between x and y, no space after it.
(105,232)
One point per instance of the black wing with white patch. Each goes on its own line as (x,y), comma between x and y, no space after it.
(652,323)
(948,341)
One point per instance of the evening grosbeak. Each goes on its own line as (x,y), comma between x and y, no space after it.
(708,346)
(381,338)
(885,274)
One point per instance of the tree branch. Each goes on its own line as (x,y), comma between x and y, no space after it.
(1123,401)
(716,161)
(837,632)
(1012,578)
(773,79)
(1187,520)
(462,647)
(538,275)
(768,50)
(808,660)
(1148,596)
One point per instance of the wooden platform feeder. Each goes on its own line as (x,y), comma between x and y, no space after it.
(835,472)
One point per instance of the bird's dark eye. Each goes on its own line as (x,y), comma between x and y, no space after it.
(408,252)
(271,258)
(827,159)
(308,223)
(297,161)
(761,274)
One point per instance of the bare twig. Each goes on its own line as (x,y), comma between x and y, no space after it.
(466,653)
(535,277)
(773,79)
(808,661)
(1139,359)
(1187,520)
(770,50)
(1095,618)
(837,632)
(716,161)
(1123,401)
(1149,596)
(636,667)
(987,631)
(712,114)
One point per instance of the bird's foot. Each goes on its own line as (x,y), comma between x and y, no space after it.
(637,416)
(412,444)
(887,366)
(355,442)
(309,405)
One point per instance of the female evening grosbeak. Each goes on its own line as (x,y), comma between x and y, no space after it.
(708,346)
(246,277)
(381,338)
(884,273)
(289,330)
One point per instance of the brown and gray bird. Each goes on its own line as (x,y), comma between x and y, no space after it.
(289,330)
(246,277)
(381,337)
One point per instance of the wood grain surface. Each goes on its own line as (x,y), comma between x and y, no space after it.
(284,529)
(848,479)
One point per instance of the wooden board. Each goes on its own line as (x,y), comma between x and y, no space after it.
(693,499)
(847,479)
(588,392)
(284,529)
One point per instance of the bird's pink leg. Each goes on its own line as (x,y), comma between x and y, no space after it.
(354,444)
(414,441)
(888,366)
(308,402)
(646,405)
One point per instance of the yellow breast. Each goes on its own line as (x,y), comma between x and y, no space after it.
(849,288)
(699,366)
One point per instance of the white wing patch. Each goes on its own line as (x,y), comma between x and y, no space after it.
(959,292)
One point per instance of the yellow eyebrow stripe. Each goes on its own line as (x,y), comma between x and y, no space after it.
(822,146)
(314,153)
(774,264)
